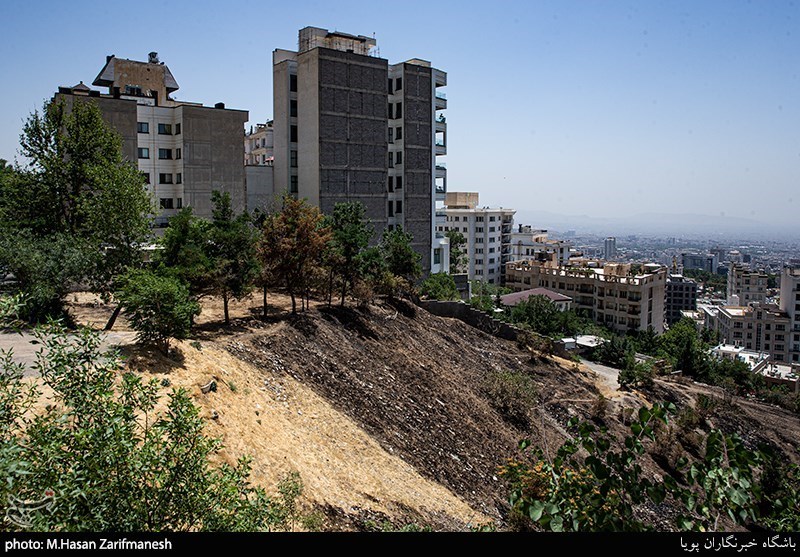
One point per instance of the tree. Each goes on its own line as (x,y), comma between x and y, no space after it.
(401,259)
(291,243)
(185,252)
(539,313)
(351,233)
(458,253)
(231,250)
(76,188)
(102,458)
(439,286)
(158,307)
(685,349)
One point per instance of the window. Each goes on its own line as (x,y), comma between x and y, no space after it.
(399,110)
(391,110)
(391,135)
(491,240)
(390,86)
(478,250)
(478,240)
(478,229)
(165,202)
(293,108)
(479,262)
(399,182)
(492,219)
(143,152)
(146,176)
(456,218)
(399,134)
(398,206)
(165,153)
(491,260)
(491,271)
(165,178)
(178,153)
(293,184)
(437,257)
(478,219)
(464,229)
(399,157)
(293,134)
(399,84)
(178,132)
(390,206)
(391,183)
(179,178)
(165,129)
(478,271)
(391,160)
(133,90)
(491,250)
(492,229)
(142,127)
(179,203)
(293,159)
(293,83)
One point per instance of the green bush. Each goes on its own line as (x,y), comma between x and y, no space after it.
(158,307)
(513,394)
(102,458)
(439,286)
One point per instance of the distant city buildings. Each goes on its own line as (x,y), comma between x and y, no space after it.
(681,295)
(184,150)
(610,248)
(487,231)
(699,261)
(623,297)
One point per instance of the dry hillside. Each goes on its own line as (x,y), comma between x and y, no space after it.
(384,410)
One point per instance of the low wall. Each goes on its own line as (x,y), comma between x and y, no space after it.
(473,317)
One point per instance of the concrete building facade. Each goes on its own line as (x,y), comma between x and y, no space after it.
(614,295)
(487,231)
(745,285)
(350,127)
(758,326)
(530,243)
(184,150)
(790,304)
(681,295)
(610,248)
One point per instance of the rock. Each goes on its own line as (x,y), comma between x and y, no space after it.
(214,415)
(210,386)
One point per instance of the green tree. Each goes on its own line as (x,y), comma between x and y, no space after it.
(539,313)
(458,252)
(232,252)
(158,307)
(185,252)
(439,286)
(686,350)
(76,187)
(351,232)
(401,259)
(292,242)
(102,458)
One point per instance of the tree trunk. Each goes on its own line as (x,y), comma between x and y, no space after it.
(113,318)
(225,308)
(294,303)
(264,292)
(344,289)
(330,287)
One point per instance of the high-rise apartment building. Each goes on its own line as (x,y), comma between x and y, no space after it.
(745,285)
(530,243)
(487,231)
(185,150)
(681,295)
(757,326)
(351,127)
(610,248)
(790,304)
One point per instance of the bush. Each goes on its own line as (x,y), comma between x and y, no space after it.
(101,459)
(513,395)
(440,286)
(158,307)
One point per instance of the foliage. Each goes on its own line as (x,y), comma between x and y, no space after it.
(158,307)
(231,251)
(617,352)
(600,491)
(107,461)
(484,295)
(458,253)
(292,244)
(439,286)
(513,394)
(709,280)
(785,515)
(639,375)
(351,232)
(539,313)
(401,259)
(76,192)
(185,254)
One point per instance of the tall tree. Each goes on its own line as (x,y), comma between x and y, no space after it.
(401,259)
(351,232)
(185,251)
(291,243)
(232,252)
(458,252)
(75,186)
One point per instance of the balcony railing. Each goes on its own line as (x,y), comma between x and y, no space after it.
(441,95)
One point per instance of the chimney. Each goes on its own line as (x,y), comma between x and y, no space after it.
(219,105)
(108,58)
(153,58)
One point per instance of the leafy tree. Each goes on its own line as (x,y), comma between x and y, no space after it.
(231,250)
(539,313)
(484,295)
(617,352)
(401,259)
(685,349)
(351,232)
(75,187)
(439,286)
(458,252)
(185,252)
(292,242)
(103,459)
(158,307)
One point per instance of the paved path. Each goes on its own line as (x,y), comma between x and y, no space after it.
(25,352)
(608,375)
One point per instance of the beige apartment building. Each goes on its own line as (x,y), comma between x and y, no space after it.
(790,304)
(620,296)
(758,326)
(745,285)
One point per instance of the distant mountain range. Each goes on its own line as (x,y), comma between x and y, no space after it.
(677,225)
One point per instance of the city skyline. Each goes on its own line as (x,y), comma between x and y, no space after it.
(574,108)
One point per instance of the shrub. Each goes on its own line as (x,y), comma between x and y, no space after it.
(439,286)
(512,394)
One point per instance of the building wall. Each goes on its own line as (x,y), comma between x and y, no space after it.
(790,303)
(749,286)
(284,65)
(485,257)
(261,192)
(758,327)
(681,294)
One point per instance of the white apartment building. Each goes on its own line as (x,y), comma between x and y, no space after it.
(487,231)
(531,243)
(790,304)
(745,285)
(259,145)
(619,296)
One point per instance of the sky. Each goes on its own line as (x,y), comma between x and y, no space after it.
(574,107)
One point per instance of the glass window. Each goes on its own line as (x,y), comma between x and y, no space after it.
(165,129)
(399,182)
(179,178)
(399,84)
(165,178)
(142,127)
(399,134)
(293,83)
(293,108)
(399,110)
(399,157)
(178,153)
(179,203)
(165,153)
(165,203)
(399,206)
(146,176)
(293,134)
(293,184)
(143,152)
(390,208)
(177,129)
(391,183)
(293,159)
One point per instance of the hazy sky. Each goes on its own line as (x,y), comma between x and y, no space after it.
(598,108)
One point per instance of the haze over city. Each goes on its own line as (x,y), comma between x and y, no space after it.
(601,109)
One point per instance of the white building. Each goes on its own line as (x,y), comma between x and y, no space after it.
(790,304)
(532,243)
(487,231)
(259,145)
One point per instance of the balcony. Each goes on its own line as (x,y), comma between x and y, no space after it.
(440,101)
(441,148)
(441,125)
(439,78)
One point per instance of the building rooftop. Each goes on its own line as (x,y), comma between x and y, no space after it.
(518,297)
